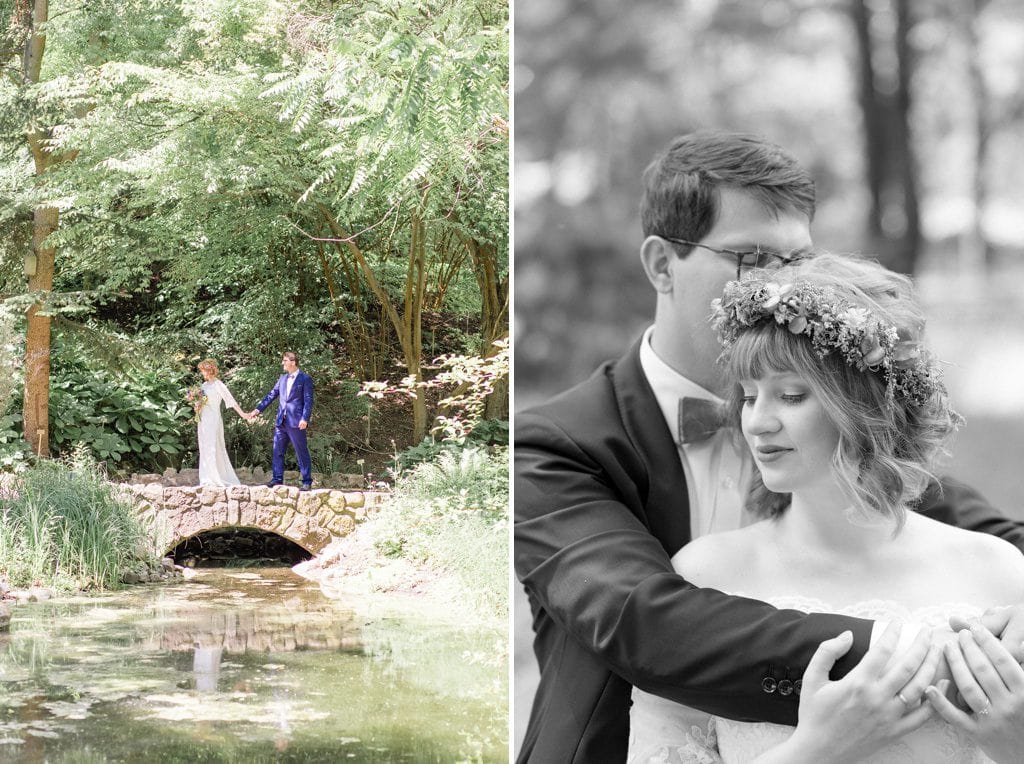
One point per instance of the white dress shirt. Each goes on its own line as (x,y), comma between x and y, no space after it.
(718,469)
(288,385)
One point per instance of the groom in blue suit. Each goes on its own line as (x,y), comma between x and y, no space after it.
(295,393)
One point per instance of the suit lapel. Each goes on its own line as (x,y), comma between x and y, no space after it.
(667,503)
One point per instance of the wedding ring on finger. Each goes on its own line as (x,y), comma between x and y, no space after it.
(985,710)
(903,698)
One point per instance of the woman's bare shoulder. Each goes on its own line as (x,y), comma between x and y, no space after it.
(721,560)
(994,564)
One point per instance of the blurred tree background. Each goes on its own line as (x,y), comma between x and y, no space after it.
(910,115)
(228,178)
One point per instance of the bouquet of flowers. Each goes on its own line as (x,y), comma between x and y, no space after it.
(196,398)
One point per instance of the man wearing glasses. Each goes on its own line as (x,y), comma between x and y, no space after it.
(616,475)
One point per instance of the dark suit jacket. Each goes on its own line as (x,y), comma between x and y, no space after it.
(293,408)
(601,505)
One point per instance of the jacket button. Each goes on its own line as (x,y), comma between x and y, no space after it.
(768,684)
(798,685)
(785,687)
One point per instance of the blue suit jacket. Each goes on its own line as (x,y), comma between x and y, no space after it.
(291,409)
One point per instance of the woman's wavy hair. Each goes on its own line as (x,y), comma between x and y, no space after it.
(887,447)
(210,365)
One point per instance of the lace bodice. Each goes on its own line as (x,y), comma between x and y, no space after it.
(665,732)
(215,392)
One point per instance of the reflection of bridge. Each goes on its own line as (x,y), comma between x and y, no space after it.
(312,519)
(274,628)
(295,618)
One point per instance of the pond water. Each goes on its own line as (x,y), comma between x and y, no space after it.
(244,665)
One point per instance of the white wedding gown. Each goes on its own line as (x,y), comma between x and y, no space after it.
(668,733)
(214,466)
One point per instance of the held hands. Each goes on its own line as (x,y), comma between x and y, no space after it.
(991,683)
(1006,622)
(878,702)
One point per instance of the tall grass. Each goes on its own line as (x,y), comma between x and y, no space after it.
(451,515)
(62,526)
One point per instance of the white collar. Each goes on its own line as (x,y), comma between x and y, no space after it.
(668,384)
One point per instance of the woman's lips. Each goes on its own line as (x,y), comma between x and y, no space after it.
(768,454)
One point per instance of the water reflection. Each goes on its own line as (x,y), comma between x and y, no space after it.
(206,667)
(245,666)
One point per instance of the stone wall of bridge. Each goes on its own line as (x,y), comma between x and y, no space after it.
(312,519)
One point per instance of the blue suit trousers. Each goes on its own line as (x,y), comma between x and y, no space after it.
(283,434)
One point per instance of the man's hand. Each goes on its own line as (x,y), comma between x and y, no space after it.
(1007,623)
(303,424)
(253,414)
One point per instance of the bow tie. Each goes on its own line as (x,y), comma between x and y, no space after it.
(699,419)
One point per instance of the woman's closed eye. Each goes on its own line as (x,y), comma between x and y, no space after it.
(791,398)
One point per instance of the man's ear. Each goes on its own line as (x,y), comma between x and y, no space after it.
(657,255)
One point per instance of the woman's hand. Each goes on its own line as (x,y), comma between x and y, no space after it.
(1005,622)
(991,683)
(878,702)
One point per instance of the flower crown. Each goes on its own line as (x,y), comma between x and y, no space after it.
(832,324)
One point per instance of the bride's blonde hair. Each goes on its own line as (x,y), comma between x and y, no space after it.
(210,365)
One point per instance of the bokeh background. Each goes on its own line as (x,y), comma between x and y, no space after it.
(910,114)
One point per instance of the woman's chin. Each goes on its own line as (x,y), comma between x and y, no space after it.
(777,483)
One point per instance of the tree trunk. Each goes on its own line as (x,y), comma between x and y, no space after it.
(497,402)
(871,114)
(908,245)
(894,222)
(415,286)
(976,254)
(37,339)
(494,294)
(408,325)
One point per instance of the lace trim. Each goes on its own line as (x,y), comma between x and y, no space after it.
(698,746)
(873,609)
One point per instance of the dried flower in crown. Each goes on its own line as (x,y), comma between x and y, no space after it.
(832,325)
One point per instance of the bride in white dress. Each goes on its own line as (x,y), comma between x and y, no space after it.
(844,414)
(214,465)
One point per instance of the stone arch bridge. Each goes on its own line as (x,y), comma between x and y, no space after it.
(311,519)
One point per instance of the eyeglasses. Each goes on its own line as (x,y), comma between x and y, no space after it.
(745,261)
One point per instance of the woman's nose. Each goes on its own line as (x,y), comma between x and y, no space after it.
(762,418)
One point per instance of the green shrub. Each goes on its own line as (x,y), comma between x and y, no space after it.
(133,418)
(61,525)
(489,432)
(139,421)
(451,514)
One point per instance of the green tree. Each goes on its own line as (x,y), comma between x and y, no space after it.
(274,174)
